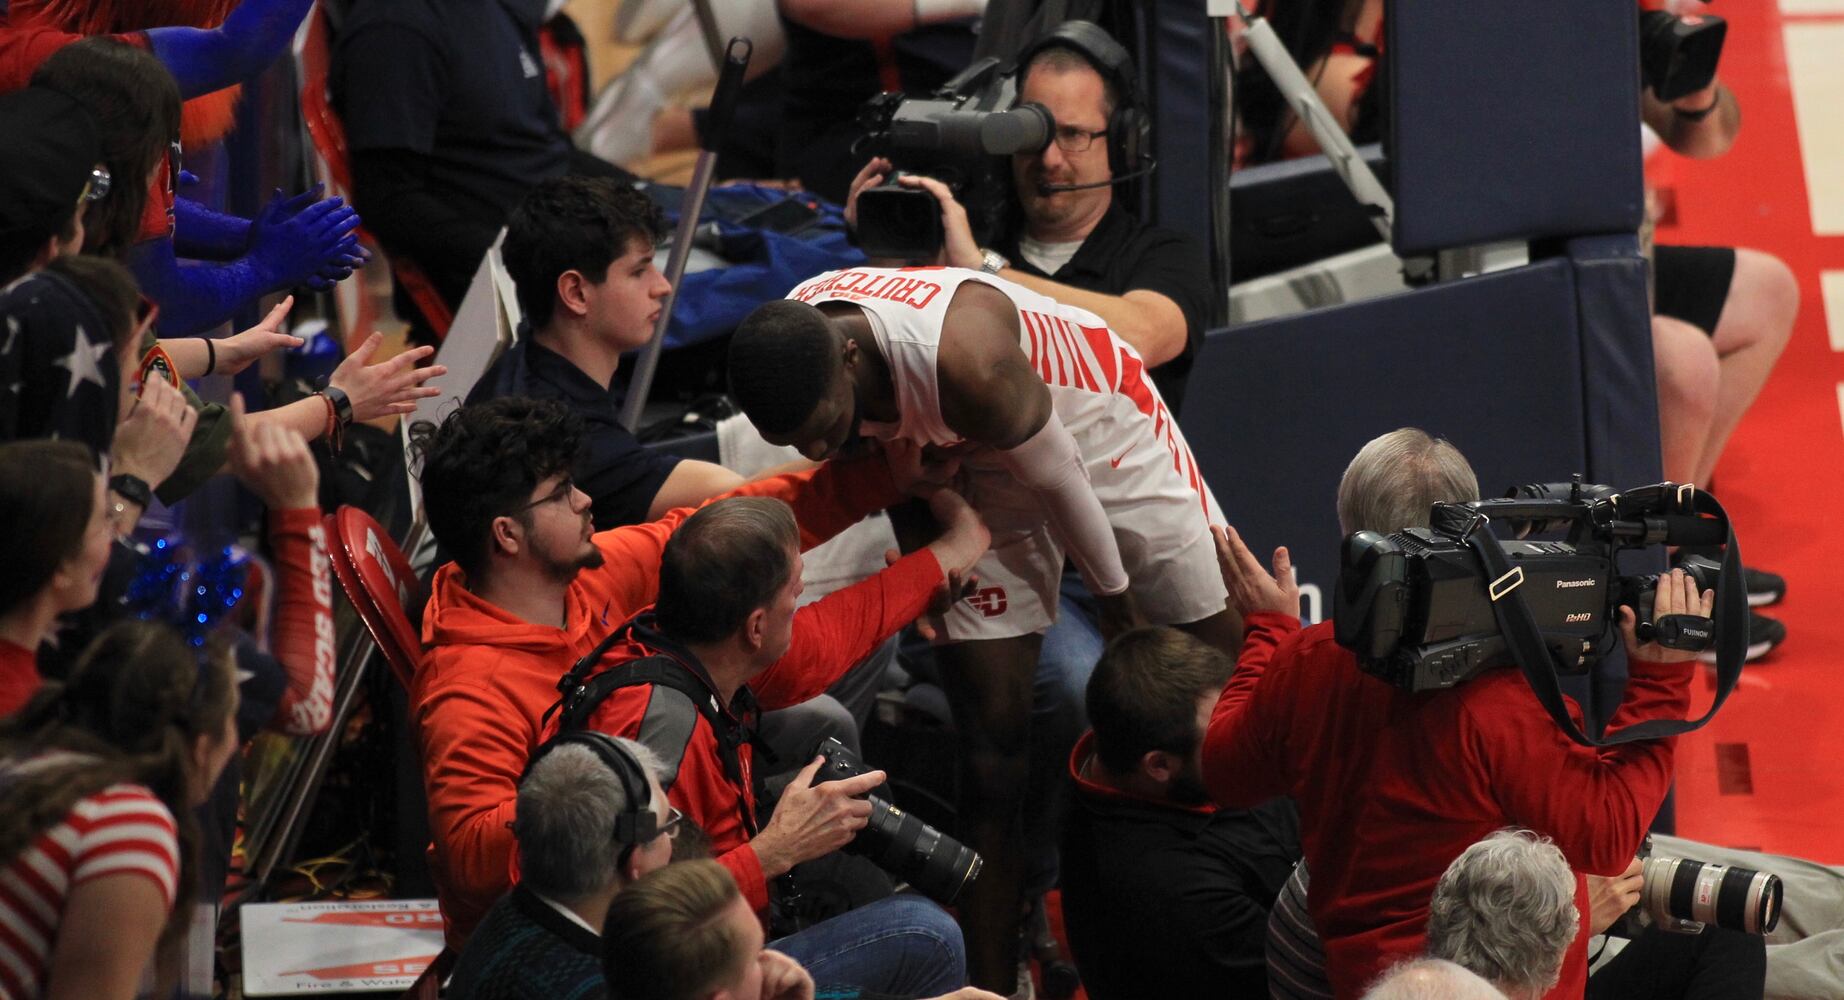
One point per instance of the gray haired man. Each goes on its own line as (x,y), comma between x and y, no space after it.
(591,820)
(1505,909)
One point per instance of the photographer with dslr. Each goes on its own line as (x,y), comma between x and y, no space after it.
(1392,784)
(688,680)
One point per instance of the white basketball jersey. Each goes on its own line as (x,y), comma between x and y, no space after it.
(1095,378)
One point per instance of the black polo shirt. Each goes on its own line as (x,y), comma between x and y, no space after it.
(460,82)
(620,475)
(1155,892)
(1122,254)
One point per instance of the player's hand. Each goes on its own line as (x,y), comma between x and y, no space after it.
(1610,897)
(1118,613)
(1677,595)
(872,174)
(1252,588)
(958,248)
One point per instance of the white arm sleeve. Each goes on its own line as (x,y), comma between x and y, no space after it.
(1049,464)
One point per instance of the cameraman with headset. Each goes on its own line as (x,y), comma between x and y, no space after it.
(1071,239)
(1393,785)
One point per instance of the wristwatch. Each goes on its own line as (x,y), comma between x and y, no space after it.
(133,489)
(342,403)
(992,261)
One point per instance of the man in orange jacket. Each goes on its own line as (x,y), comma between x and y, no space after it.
(530,591)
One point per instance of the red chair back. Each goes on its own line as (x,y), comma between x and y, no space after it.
(379,582)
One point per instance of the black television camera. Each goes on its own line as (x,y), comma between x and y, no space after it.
(934,863)
(1678,55)
(958,136)
(1429,608)
(1684,896)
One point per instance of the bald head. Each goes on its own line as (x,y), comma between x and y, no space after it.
(1431,979)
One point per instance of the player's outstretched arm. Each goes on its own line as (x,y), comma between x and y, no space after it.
(991,395)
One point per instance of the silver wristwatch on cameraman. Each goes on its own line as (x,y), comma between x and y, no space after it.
(992,261)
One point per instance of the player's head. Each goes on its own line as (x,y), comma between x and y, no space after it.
(788,373)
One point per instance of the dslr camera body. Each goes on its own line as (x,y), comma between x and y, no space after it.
(961,135)
(1417,606)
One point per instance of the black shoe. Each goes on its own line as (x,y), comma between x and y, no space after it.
(1764,634)
(1764,588)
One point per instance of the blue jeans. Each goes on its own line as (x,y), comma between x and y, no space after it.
(1059,716)
(899,946)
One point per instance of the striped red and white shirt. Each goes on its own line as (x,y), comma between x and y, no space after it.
(123,829)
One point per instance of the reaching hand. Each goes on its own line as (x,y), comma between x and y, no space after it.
(1117,613)
(1251,588)
(272,460)
(1610,897)
(958,248)
(870,176)
(813,820)
(1677,595)
(292,241)
(152,438)
(783,978)
(955,585)
(235,353)
(964,537)
(387,387)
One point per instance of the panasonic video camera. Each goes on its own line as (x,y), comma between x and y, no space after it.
(1417,606)
(960,136)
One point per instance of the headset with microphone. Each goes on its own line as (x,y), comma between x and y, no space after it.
(636,823)
(1129,129)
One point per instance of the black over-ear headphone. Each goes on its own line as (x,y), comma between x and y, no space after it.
(636,824)
(1129,128)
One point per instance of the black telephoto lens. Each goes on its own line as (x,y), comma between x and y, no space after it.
(937,865)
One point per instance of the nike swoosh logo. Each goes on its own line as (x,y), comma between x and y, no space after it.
(1115,463)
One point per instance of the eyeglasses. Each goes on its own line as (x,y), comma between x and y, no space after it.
(562,492)
(675,822)
(1071,139)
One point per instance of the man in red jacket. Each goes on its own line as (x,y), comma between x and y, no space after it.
(1393,785)
(531,590)
(727,628)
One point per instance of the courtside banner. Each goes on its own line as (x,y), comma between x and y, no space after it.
(291,949)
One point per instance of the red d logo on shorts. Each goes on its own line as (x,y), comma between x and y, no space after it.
(988,601)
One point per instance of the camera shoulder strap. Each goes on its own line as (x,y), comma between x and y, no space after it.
(581,698)
(1538,663)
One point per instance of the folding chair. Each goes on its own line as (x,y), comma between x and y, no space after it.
(379,582)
